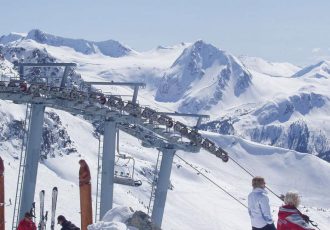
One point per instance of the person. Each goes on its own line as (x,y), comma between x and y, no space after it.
(258,206)
(26,223)
(66,225)
(289,217)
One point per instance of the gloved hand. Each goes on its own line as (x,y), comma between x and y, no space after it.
(306,218)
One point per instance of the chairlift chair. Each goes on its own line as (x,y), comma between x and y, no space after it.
(125,175)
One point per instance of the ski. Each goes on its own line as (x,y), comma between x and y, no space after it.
(42,221)
(54,201)
(33,211)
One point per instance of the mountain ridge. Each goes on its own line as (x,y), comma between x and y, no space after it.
(202,65)
(108,48)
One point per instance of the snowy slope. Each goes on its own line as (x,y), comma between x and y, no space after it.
(260,65)
(261,102)
(292,113)
(193,200)
(4,39)
(318,70)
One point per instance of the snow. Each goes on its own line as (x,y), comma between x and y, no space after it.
(193,201)
(201,65)
(109,48)
(319,70)
(275,69)
(114,219)
(11,37)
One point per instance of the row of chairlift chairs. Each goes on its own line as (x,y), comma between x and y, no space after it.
(115,102)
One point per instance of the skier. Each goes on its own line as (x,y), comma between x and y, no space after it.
(27,223)
(289,217)
(66,225)
(258,206)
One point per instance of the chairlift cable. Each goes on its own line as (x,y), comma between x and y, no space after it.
(253,176)
(213,182)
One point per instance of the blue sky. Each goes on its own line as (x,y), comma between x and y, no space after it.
(296,31)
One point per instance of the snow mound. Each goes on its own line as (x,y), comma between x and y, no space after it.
(107,226)
(123,218)
(114,219)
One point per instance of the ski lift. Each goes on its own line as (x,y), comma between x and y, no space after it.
(195,137)
(209,145)
(17,86)
(97,97)
(181,128)
(165,120)
(78,95)
(125,173)
(133,109)
(34,89)
(115,102)
(150,114)
(222,154)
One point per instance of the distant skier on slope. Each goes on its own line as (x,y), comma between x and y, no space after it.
(289,217)
(66,225)
(27,223)
(258,206)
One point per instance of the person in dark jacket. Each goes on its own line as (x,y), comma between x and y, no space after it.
(66,225)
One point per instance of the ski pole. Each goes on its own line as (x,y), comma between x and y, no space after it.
(314,224)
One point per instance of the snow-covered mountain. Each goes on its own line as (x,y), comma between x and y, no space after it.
(109,48)
(297,122)
(319,70)
(281,69)
(290,102)
(201,76)
(4,39)
(257,102)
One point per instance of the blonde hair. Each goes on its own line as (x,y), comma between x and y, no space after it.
(292,198)
(257,182)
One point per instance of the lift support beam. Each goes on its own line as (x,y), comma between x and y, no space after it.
(32,158)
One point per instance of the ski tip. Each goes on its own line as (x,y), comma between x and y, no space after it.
(55,188)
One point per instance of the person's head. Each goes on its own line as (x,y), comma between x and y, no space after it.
(28,216)
(60,219)
(258,182)
(292,198)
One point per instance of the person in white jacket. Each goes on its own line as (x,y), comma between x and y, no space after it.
(258,205)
